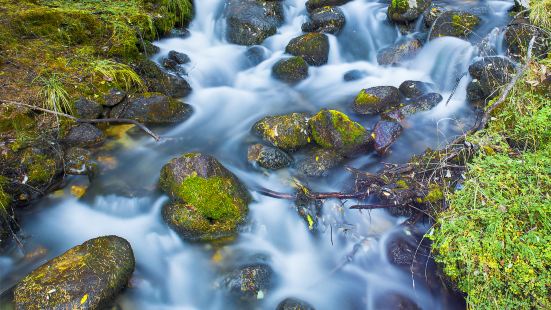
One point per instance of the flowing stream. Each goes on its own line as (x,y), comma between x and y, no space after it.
(342,266)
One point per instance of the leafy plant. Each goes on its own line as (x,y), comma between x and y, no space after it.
(117,73)
(55,96)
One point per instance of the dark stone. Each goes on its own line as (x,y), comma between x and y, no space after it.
(318,162)
(313,47)
(170,64)
(114,97)
(294,304)
(160,81)
(87,109)
(148,48)
(431,14)
(455,24)
(246,282)
(88,276)
(406,11)
(385,134)
(399,52)
(291,70)
(354,75)
(312,5)
(153,108)
(376,100)
(518,35)
(488,73)
(78,161)
(416,105)
(181,33)
(414,89)
(250,22)
(395,301)
(288,132)
(84,135)
(179,58)
(268,157)
(326,20)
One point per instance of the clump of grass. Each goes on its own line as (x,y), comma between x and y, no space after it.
(54,94)
(117,73)
(539,13)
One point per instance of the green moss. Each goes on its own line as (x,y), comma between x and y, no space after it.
(463,23)
(5,198)
(288,132)
(399,6)
(364,99)
(39,168)
(434,194)
(402,184)
(333,129)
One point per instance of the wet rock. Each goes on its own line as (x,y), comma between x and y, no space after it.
(394,301)
(148,48)
(406,249)
(250,22)
(114,97)
(318,162)
(431,14)
(268,157)
(312,5)
(294,304)
(334,130)
(354,75)
(399,52)
(88,276)
(291,70)
(87,109)
(153,108)
(78,161)
(414,89)
(518,35)
(488,73)
(376,99)
(84,135)
(326,20)
(181,33)
(170,64)
(288,132)
(454,24)
(417,105)
(313,47)
(255,55)
(179,58)
(385,134)
(159,81)
(250,282)
(208,201)
(402,11)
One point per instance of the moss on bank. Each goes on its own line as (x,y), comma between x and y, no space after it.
(493,240)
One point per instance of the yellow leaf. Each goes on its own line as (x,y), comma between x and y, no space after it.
(84,299)
(310,222)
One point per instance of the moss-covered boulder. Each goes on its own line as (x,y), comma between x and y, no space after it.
(312,5)
(399,52)
(318,162)
(376,99)
(414,89)
(84,135)
(250,22)
(152,108)
(87,109)
(313,47)
(518,35)
(488,73)
(332,129)
(208,201)
(159,81)
(288,132)
(88,276)
(268,157)
(385,134)
(416,105)
(294,304)
(291,70)
(405,11)
(458,24)
(327,19)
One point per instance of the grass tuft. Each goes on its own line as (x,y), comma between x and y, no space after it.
(117,73)
(54,94)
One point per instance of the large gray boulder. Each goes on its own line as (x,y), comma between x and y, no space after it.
(250,22)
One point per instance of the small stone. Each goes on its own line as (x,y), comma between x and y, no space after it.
(354,75)
(179,58)
(78,161)
(385,134)
(414,89)
(288,132)
(84,135)
(268,157)
(318,162)
(376,100)
(247,282)
(153,108)
(87,109)
(313,47)
(400,52)
(403,11)
(326,19)
(294,304)
(291,70)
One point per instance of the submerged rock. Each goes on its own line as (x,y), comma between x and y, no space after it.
(288,132)
(268,157)
(87,109)
(376,99)
(78,161)
(294,304)
(84,135)
(88,276)
(334,130)
(159,81)
(255,55)
(250,282)
(311,5)
(405,11)
(250,22)
(326,19)
(153,108)
(454,24)
(354,75)
(416,105)
(208,201)
(401,51)
(318,162)
(488,73)
(291,70)
(313,47)
(385,134)
(414,89)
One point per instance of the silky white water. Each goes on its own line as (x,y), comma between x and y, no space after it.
(344,264)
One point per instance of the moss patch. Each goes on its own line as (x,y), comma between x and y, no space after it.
(288,132)
(333,129)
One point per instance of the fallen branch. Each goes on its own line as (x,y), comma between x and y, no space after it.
(373,207)
(315,196)
(90,121)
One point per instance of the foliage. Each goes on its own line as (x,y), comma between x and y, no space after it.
(120,74)
(55,96)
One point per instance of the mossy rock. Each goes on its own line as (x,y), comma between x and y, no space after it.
(160,81)
(489,74)
(405,11)
(313,47)
(153,108)
(327,19)
(417,105)
(318,162)
(250,22)
(208,201)
(294,304)
(88,276)
(291,70)
(312,5)
(399,52)
(334,130)
(288,132)
(458,24)
(518,35)
(376,99)
(247,282)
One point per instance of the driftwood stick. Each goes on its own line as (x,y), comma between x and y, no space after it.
(91,121)
(373,207)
